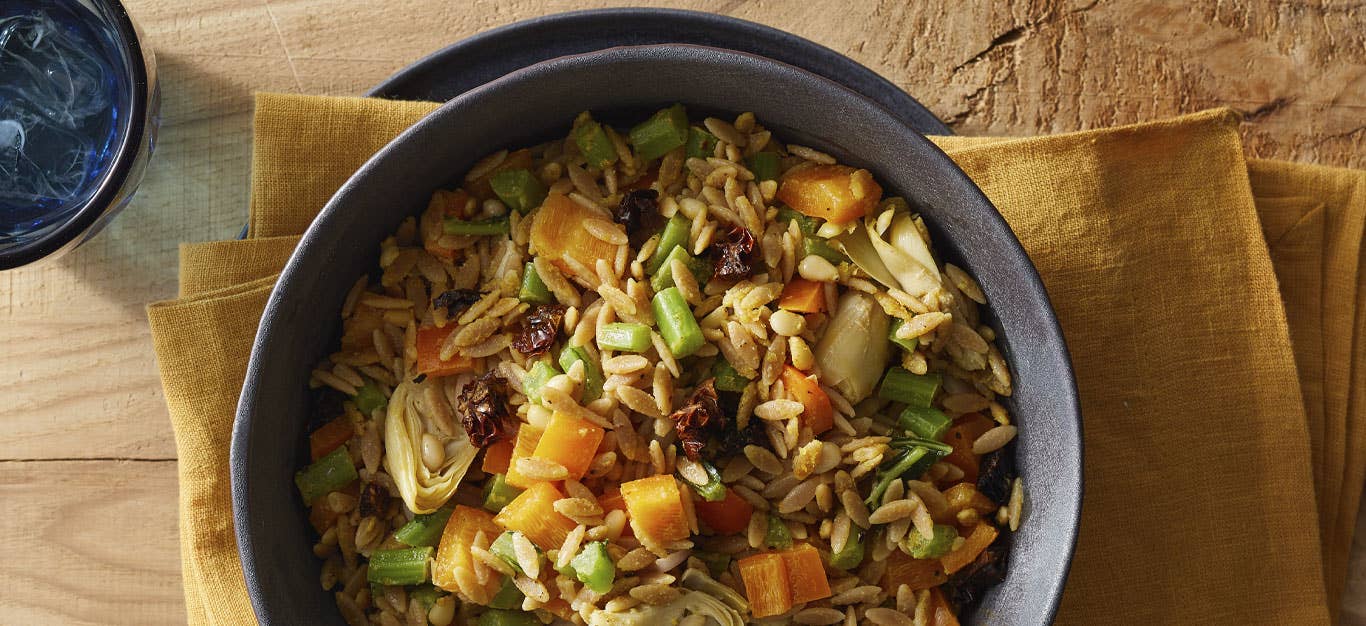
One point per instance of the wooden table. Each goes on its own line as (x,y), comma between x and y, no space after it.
(87,458)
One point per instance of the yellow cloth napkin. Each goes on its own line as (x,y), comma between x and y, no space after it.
(1222,480)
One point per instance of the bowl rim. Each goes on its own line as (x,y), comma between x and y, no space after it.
(748,37)
(111,185)
(296,266)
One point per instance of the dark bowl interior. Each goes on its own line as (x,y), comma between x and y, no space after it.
(537,103)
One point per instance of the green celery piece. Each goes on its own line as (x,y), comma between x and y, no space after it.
(905,344)
(508,596)
(541,373)
(711,491)
(502,617)
(727,379)
(490,226)
(502,548)
(675,234)
(900,385)
(592,371)
(368,398)
(594,568)
(852,554)
(664,277)
(778,536)
(624,337)
(805,223)
(519,189)
(924,422)
(764,165)
(424,529)
(533,289)
(665,130)
(921,547)
(821,248)
(915,458)
(676,323)
(593,142)
(404,566)
(701,144)
(326,475)
(716,562)
(498,493)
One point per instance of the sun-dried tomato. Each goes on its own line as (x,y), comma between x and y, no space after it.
(731,259)
(372,499)
(539,329)
(455,300)
(483,408)
(634,204)
(699,417)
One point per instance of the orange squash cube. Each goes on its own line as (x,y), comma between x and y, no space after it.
(766,584)
(571,442)
(528,437)
(454,552)
(557,229)
(981,536)
(806,578)
(656,508)
(914,573)
(533,514)
(836,193)
(498,456)
(429,340)
(817,411)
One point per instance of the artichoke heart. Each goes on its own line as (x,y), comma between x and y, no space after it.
(690,603)
(854,350)
(410,417)
(902,260)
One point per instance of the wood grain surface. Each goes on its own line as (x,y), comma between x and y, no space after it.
(87,456)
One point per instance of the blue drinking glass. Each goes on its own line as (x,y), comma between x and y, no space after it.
(78,118)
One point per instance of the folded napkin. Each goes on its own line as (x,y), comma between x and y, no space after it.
(1209,304)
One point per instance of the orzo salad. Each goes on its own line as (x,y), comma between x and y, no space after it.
(680,373)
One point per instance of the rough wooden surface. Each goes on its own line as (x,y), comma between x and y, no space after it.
(90,481)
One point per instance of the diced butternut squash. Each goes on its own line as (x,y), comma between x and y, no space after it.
(915,573)
(571,442)
(429,340)
(981,536)
(528,437)
(726,517)
(966,496)
(533,514)
(806,578)
(655,505)
(557,228)
(941,614)
(498,456)
(482,189)
(835,193)
(453,553)
(329,437)
(803,296)
(817,412)
(766,584)
(965,430)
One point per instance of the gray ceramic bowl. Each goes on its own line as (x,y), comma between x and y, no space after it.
(537,103)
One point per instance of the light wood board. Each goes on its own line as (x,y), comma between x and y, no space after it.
(86,455)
